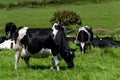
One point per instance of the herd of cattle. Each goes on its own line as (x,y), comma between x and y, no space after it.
(42,42)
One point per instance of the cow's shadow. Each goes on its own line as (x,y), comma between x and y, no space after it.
(45,67)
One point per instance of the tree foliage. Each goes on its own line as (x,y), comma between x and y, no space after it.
(67,17)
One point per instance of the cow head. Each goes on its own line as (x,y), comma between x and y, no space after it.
(10,30)
(68,57)
(57,27)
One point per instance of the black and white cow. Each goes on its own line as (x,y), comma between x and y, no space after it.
(7,44)
(10,28)
(84,38)
(105,42)
(33,42)
(2,39)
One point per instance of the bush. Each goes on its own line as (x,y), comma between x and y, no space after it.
(2,5)
(68,18)
(29,3)
(11,5)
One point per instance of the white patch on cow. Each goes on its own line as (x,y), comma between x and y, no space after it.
(43,53)
(84,29)
(23,52)
(55,62)
(8,34)
(54,30)
(87,27)
(82,45)
(7,44)
(22,32)
(100,38)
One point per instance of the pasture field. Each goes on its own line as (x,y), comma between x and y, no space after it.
(99,64)
(11,1)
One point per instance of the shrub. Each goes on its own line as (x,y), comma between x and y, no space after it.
(11,5)
(2,5)
(67,17)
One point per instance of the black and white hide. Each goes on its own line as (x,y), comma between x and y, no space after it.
(8,44)
(84,37)
(2,39)
(35,42)
(10,28)
(105,42)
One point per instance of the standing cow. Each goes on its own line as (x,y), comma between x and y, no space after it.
(32,42)
(84,38)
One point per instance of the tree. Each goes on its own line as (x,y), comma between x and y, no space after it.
(67,17)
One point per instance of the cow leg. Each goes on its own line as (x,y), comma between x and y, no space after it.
(17,59)
(82,44)
(27,61)
(55,62)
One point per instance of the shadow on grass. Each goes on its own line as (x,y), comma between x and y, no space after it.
(43,67)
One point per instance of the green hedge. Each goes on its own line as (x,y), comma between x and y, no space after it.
(37,3)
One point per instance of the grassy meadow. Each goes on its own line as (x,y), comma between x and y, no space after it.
(99,64)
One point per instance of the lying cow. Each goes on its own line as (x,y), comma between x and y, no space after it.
(10,28)
(84,38)
(32,42)
(2,39)
(105,42)
(8,44)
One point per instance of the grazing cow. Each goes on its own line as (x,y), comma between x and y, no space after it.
(8,44)
(10,30)
(32,42)
(84,38)
(105,42)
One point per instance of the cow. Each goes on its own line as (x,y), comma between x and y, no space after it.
(8,44)
(2,39)
(32,42)
(105,42)
(84,37)
(10,29)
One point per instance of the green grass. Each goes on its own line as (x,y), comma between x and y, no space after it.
(99,64)
(94,65)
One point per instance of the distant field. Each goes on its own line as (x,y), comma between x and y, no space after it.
(10,1)
(99,64)
(104,15)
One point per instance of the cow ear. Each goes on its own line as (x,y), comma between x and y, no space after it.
(57,27)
